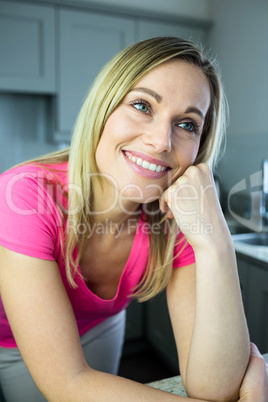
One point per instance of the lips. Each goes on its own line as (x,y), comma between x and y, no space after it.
(153,167)
(146,165)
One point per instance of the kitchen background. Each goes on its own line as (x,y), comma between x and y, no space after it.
(50,51)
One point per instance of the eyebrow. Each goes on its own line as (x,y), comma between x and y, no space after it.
(192,109)
(148,91)
(158,98)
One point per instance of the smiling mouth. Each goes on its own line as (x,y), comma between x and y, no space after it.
(146,164)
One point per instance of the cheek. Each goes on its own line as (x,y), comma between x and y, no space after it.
(195,153)
(187,154)
(110,123)
(118,129)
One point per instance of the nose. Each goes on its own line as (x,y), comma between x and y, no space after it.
(159,137)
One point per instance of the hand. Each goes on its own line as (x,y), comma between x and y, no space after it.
(255,384)
(192,200)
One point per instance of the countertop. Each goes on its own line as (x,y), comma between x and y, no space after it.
(172,385)
(257,252)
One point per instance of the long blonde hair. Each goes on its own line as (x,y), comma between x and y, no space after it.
(108,90)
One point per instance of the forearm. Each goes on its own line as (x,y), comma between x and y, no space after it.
(91,385)
(219,349)
(218,344)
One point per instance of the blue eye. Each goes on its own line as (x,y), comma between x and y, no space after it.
(187,126)
(190,126)
(142,106)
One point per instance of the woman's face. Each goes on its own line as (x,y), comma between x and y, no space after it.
(154,134)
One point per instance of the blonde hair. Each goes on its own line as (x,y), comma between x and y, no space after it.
(108,90)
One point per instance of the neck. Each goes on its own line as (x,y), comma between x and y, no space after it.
(110,207)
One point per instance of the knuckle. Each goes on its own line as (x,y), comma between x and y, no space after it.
(182,182)
(193,170)
(205,170)
(204,167)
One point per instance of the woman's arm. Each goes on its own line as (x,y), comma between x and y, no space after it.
(44,326)
(207,313)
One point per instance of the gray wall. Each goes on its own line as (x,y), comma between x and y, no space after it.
(181,8)
(240,40)
(25,128)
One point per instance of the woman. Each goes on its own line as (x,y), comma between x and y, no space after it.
(86,229)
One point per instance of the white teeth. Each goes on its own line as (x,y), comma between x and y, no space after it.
(152,167)
(146,165)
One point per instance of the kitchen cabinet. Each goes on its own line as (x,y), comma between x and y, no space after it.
(159,331)
(27,48)
(59,50)
(134,321)
(87,41)
(253,276)
(148,29)
(258,306)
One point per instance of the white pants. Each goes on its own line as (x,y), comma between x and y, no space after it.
(102,347)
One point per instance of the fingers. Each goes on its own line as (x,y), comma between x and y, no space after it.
(263,366)
(183,195)
(254,350)
(255,382)
(163,205)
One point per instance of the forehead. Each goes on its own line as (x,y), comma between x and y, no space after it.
(176,69)
(177,80)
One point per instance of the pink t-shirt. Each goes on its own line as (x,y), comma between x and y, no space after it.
(31,223)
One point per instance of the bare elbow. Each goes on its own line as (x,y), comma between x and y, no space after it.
(212,392)
(220,384)
(210,397)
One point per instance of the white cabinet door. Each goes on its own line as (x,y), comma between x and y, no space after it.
(87,42)
(149,29)
(27,48)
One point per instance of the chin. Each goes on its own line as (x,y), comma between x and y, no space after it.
(140,195)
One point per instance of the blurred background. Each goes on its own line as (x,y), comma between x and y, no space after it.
(50,52)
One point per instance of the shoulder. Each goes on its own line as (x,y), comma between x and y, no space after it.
(32,183)
(29,211)
(38,170)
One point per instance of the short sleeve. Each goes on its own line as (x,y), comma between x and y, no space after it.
(28,214)
(183,252)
